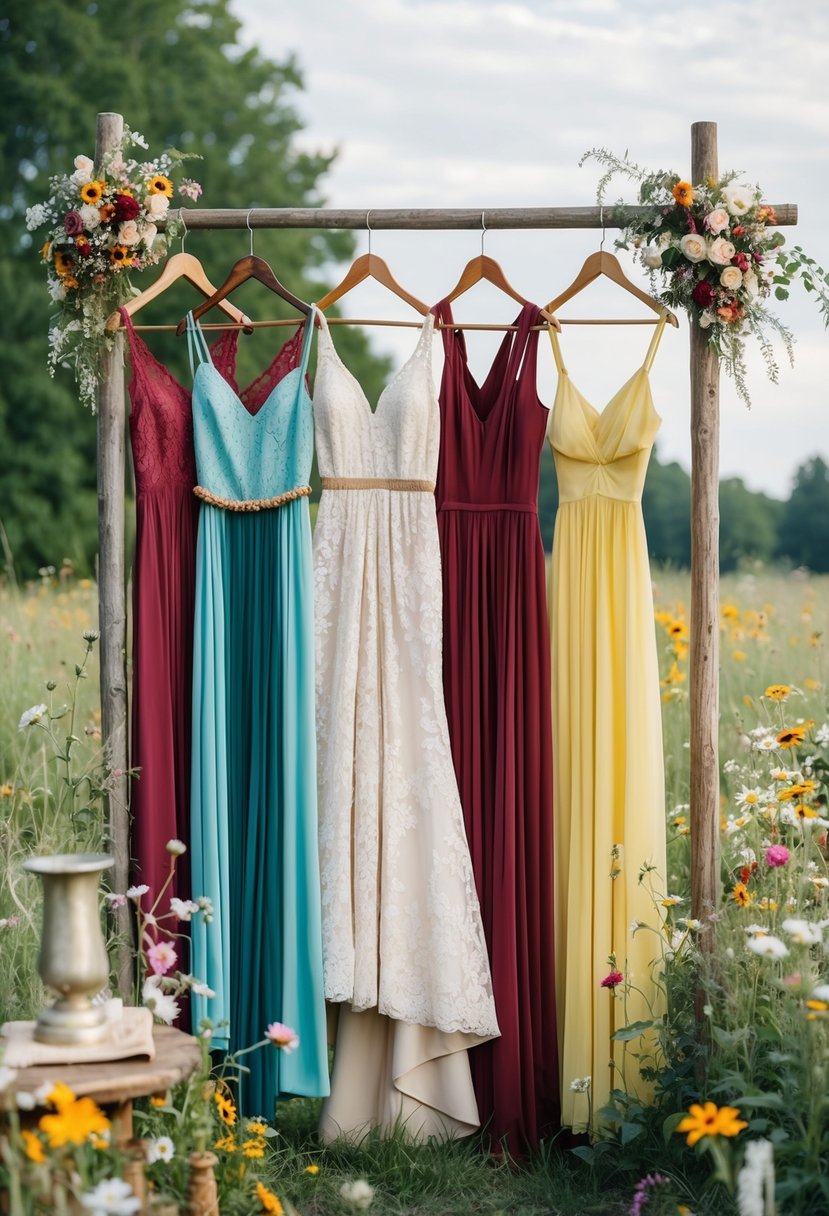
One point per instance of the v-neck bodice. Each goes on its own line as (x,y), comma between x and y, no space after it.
(603,452)
(492,433)
(398,439)
(240,454)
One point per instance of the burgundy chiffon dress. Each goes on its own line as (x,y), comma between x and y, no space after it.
(496,669)
(164,575)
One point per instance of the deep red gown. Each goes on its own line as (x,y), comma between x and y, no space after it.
(496,672)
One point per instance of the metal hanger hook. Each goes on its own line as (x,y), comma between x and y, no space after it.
(483,231)
(184,227)
(250,230)
(601,221)
(368,230)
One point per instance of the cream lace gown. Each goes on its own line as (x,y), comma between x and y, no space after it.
(403,945)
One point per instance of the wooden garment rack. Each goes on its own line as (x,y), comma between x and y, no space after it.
(704,372)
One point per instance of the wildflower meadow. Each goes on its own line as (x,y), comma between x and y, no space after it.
(739,1063)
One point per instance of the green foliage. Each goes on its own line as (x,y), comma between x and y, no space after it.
(804,530)
(177,72)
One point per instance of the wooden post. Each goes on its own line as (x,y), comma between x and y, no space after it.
(112,607)
(705,572)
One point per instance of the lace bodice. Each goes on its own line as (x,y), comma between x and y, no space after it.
(399,439)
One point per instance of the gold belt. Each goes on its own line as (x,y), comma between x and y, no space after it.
(250,504)
(376,483)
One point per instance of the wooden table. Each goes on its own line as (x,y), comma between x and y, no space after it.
(115,1083)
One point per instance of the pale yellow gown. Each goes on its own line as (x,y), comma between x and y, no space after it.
(607,736)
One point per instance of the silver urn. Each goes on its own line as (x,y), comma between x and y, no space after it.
(73,958)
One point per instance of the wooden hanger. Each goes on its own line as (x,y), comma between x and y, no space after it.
(179,266)
(607,264)
(486,268)
(370,266)
(248,267)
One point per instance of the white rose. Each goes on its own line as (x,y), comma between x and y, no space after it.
(738,199)
(90,215)
(148,232)
(731,277)
(751,284)
(693,246)
(157,204)
(721,251)
(715,221)
(652,256)
(84,164)
(705,319)
(128,233)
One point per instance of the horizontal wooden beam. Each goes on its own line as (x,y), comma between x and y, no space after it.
(427,217)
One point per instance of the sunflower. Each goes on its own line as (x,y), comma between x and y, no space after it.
(802,811)
(120,255)
(64,263)
(93,192)
(683,192)
(791,736)
(677,629)
(159,184)
(710,1120)
(44,253)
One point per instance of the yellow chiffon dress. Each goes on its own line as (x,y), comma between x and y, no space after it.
(609,810)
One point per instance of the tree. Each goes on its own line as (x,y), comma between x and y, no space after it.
(176,70)
(804,531)
(749,523)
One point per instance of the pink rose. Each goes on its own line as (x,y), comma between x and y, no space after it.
(72,223)
(721,251)
(715,221)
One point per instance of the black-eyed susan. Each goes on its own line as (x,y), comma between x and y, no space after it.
(741,894)
(677,629)
(159,184)
(270,1201)
(792,736)
(93,192)
(226,1108)
(709,1119)
(777,692)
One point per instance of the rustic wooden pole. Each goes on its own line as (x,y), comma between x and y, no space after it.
(705,574)
(425,218)
(112,607)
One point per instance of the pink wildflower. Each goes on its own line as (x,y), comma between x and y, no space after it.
(282,1036)
(612,979)
(162,957)
(777,855)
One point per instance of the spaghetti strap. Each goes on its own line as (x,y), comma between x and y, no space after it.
(196,344)
(654,346)
(562,370)
(307,340)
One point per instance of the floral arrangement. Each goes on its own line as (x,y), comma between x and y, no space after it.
(712,249)
(103,225)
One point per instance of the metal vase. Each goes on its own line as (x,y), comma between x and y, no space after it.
(73,958)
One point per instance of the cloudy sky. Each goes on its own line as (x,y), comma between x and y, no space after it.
(453,103)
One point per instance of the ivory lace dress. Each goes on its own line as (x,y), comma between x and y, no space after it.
(404,955)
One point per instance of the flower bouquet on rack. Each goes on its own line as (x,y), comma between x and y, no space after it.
(101,227)
(712,249)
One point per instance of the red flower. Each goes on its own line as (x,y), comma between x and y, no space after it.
(738,230)
(703,294)
(741,261)
(612,979)
(72,223)
(83,246)
(747,871)
(822,841)
(126,207)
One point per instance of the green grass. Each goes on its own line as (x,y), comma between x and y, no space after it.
(773,630)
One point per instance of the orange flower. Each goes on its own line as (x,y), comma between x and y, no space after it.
(730,313)
(107,213)
(34,1148)
(791,736)
(741,894)
(74,1123)
(683,192)
(710,1120)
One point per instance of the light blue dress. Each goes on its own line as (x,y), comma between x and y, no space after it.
(254,801)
